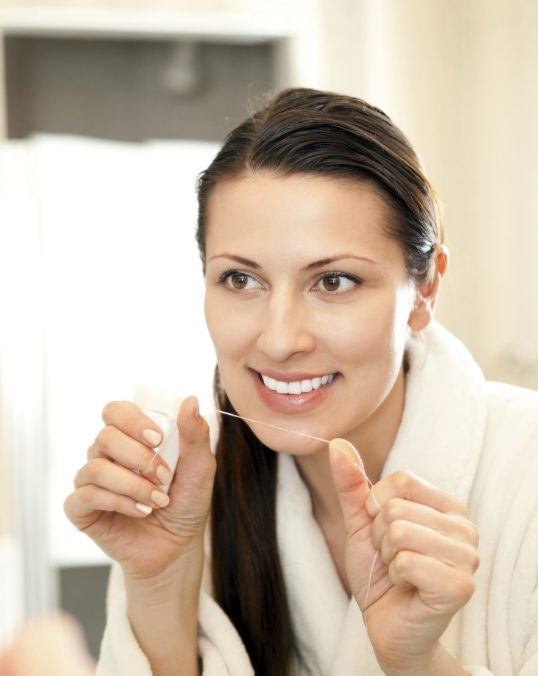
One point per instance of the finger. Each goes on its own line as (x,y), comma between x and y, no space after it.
(131,420)
(192,486)
(85,505)
(405,535)
(399,509)
(117,446)
(351,484)
(117,479)
(440,587)
(403,484)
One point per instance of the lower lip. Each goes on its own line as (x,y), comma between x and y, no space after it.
(291,403)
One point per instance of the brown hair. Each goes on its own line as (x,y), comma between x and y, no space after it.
(300,131)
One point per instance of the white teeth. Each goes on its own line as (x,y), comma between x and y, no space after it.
(306,386)
(296,386)
(269,382)
(281,387)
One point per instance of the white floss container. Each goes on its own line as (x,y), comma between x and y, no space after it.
(162,408)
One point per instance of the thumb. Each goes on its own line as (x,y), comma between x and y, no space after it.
(190,493)
(351,484)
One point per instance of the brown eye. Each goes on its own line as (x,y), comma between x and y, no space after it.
(331,282)
(235,280)
(238,280)
(337,283)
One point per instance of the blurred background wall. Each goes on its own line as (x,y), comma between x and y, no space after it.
(461,79)
(132,80)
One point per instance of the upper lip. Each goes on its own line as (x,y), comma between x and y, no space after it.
(292,376)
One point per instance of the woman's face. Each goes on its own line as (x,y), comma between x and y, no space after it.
(307,303)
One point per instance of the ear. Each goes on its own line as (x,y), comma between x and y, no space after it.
(427,293)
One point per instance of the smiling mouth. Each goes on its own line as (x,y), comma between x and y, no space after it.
(297,386)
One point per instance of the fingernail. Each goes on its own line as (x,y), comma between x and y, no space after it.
(160,499)
(346,448)
(152,437)
(145,509)
(196,410)
(163,474)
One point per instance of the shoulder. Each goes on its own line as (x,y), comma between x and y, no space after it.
(512,409)
(511,395)
(508,469)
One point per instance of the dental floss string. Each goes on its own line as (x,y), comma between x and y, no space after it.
(275,427)
(325,441)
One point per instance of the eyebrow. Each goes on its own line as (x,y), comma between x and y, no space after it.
(311,266)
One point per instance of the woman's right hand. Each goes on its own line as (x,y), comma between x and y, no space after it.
(110,502)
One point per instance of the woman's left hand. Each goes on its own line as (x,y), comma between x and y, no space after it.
(425,552)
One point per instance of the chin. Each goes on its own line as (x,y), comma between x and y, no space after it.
(284,441)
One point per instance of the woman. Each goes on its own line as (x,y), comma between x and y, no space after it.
(322,252)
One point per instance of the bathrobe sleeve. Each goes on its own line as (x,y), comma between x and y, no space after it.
(221,650)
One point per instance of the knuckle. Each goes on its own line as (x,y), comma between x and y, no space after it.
(104,439)
(474,560)
(471,532)
(401,563)
(68,504)
(394,509)
(108,410)
(136,486)
(94,470)
(465,588)
(77,479)
(398,533)
(386,554)
(91,452)
(86,495)
(459,507)
(403,481)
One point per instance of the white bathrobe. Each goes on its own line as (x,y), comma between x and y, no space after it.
(476,439)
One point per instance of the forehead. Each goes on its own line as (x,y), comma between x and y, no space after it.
(297,213)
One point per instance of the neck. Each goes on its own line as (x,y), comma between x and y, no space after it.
(316,473)
(326,509)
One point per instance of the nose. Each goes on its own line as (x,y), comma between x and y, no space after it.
(287,327)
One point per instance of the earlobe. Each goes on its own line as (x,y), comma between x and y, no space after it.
(422,313)
(426,296)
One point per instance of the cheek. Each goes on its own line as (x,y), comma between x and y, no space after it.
(231,332)
(374,335)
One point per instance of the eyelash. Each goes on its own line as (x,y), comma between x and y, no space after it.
(225,276)
(357,281)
